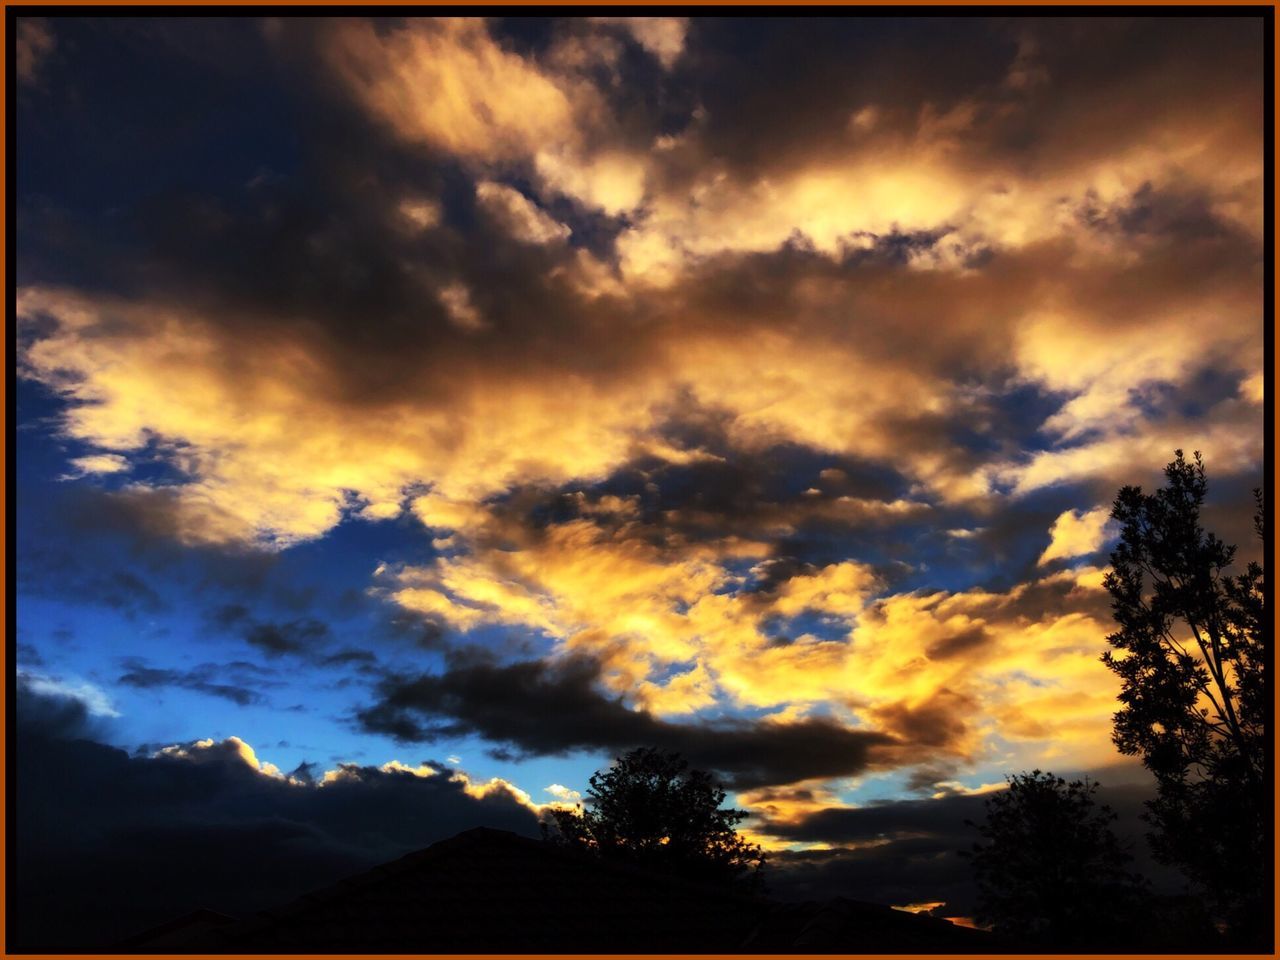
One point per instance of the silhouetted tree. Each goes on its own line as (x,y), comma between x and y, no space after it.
(1193,654)
(1052,872)
(648,808)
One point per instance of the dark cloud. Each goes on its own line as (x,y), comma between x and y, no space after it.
(1203,65)
(939,721)
(1047,86)
(544,708)
(803,502)
(323,245)
(307,259)
(901,872)
(238,681)
(777,492)
(106,845)
(75,531)
(141,528)
(1184,215)
(50,714)
(361,660)
(1012,539)
(1229,513)
(908,851)
(876,821)
(773,98)
(890,852)
(128,593)
(418,629)
(30,655)
(309,256)
(51,570)
(228,616)
(896,248)
(295,637)
(304,638)
(932,779)
(155,530)
(963,642)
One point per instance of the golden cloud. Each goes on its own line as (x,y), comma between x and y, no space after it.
(446,83)
(677,632)
(1076,533)
(872,291)
(521,218)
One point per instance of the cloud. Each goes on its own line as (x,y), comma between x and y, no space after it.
(904,818)
(293,485)
(663,37)
(74,698)
(638,604)
(1076,533)
(238,681)
(419,407)
(543,708)
(662,609)
(909,850)
(361,660)
(447,83)
(674,628)
(303,637)
(450,85)
(128,842)
(34,43)
(29,654)
(462,312)
(296,636)
(51,570)
(421,213)
(519,216)
(563,793)
(809,308)
(98,463)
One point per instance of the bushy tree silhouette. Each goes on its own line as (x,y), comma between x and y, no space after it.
(648,808)
(1193,653)
(1051,871)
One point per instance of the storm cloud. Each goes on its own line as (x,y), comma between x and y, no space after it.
(544,708)
(124,842)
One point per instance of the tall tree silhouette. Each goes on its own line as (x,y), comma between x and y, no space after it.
(1193,653)
(648,808)
(1051,871)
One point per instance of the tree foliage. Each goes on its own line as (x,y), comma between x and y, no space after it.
(1051,870)
(648,808)
(1193,652)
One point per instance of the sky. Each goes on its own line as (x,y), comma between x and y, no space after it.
(411,415)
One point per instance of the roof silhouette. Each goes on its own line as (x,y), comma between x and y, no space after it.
(493,891)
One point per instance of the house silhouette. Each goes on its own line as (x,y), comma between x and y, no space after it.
(492,891)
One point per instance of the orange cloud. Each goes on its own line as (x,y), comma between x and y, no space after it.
(871,288)
(446,83)
(1076,533)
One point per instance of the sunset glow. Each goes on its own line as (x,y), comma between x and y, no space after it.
(473,400)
